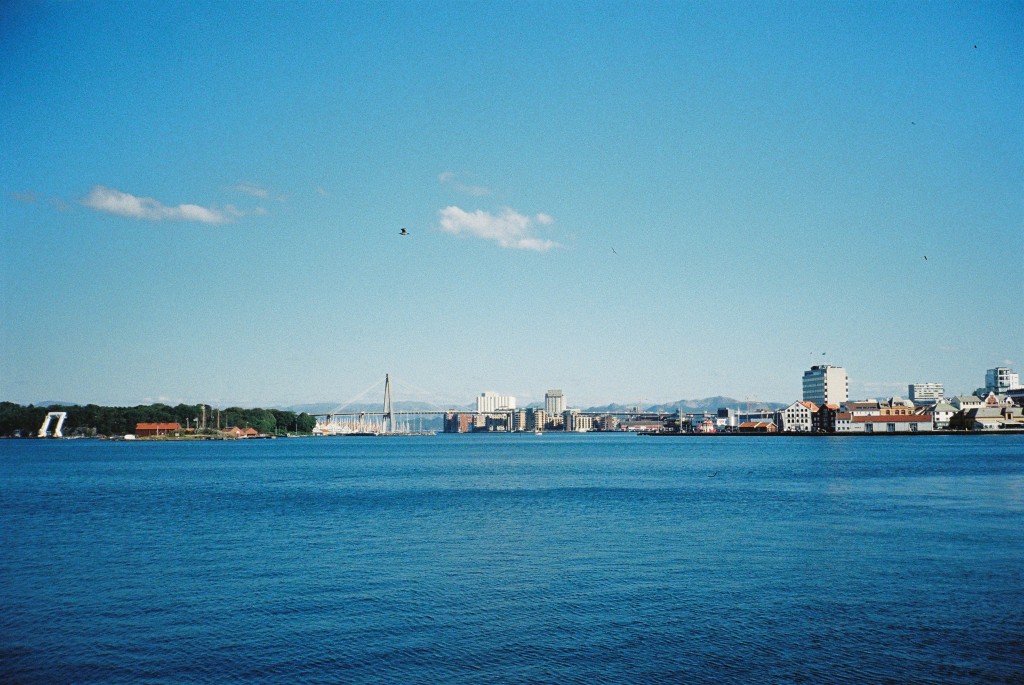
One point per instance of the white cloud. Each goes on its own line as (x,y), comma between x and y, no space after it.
(449,178)
(251,189)
(509,228)
(112,201)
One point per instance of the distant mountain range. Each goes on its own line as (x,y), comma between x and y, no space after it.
(707,404)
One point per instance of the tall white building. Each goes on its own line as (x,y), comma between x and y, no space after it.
(554,402)
(826,384)
(492,401)
(925,393)
(1001,379)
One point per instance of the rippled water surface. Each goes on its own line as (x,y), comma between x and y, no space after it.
(513,559)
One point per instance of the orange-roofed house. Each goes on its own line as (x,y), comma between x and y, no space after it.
(757,427)
(150,430)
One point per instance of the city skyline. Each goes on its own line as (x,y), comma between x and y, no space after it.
(636,204)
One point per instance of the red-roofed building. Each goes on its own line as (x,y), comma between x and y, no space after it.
(757,427)
(149,430)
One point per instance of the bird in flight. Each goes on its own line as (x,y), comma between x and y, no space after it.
(403,232)
(926,258)
(613,251)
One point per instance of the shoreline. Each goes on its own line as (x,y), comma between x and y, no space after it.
(901,434)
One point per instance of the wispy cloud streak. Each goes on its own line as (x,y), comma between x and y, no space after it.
(449,178)
(509,228)
(251,189)
(113,201)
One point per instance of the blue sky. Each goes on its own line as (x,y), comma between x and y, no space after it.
(628,201)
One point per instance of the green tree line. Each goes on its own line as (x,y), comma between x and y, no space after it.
(92,419)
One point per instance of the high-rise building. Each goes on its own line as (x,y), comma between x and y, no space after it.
(826,384)
(492,401)
(1001,379)
(925,393)
(554,403)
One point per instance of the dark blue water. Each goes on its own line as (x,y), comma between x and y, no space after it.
(513,559)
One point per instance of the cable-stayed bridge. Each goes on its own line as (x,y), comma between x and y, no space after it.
(341,421)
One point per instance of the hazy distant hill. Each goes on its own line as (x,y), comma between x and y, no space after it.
(321,407)
(707,404)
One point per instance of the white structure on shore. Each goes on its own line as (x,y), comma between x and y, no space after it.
(492,401)
(44,431)
(826,384)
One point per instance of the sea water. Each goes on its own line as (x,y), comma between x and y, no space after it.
(513,559)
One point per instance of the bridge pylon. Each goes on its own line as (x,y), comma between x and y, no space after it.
(389,409)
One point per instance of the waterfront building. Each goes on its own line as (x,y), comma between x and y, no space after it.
(995,418)
(863,408)
(917,423)
(925,393)
(459,422)
(824,420)
(754,416)
(757,427)
(149,430)
(554,402)
(796,418)
(535,419)
(994,400)
(706,426)
(1001,379)
(495,422)
(896,407)
(606,423)
(492,401)
(575,422)
(691,422)
(726,419)
(826,384)
(966,402)
(518,421)
(941,412)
